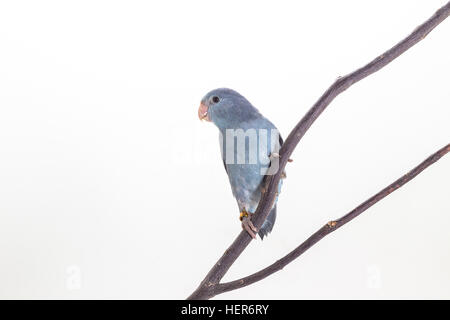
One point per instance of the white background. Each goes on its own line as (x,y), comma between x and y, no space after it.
(110,186)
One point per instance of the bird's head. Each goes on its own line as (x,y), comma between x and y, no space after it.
(226,108)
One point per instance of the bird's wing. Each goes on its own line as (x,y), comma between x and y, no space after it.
(225,165)
(280,141)
(222,152)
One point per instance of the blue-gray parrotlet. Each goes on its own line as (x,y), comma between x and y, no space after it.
(249,148)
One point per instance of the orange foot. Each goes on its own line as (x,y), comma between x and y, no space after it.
(247,224)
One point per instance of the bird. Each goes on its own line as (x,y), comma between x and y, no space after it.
(249,145)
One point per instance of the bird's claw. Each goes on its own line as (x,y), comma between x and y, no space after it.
(275,155)
(247,224)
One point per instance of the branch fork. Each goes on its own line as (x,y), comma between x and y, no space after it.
(211,285)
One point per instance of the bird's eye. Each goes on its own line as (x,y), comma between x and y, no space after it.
(215,99)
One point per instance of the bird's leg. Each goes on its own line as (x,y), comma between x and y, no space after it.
(247,224)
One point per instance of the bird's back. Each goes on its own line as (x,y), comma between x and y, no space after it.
(246,154)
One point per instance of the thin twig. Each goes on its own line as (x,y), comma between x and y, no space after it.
(210,285)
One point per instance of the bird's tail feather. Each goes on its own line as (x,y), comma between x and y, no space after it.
(268,223)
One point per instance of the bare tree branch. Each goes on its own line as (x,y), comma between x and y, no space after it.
(331,226)
(211,286)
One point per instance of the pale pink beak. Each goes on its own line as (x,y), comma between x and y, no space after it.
(203,112)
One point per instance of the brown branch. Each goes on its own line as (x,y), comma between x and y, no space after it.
(331,226)
(210,286)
